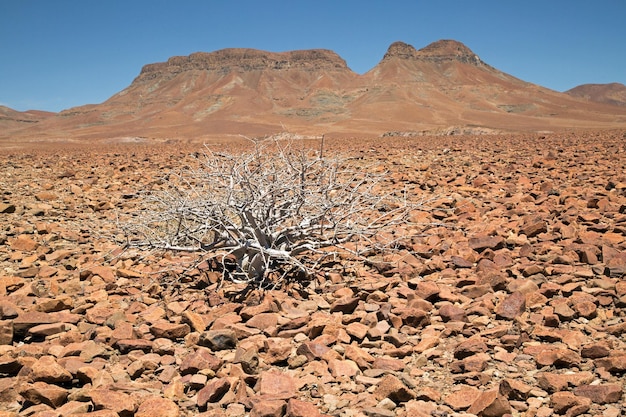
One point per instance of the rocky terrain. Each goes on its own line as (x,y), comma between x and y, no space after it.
(207,95)
(510,303)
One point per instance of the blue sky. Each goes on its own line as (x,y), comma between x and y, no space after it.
(56,54)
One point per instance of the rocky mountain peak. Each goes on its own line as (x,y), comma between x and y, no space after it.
(400,50)
(440,51)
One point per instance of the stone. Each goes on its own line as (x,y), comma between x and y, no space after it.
(199,360)
(267,408)
(490,404)
(299,408)
(393,388)
(561,401)
(345,305)
(44,393)
(263,321)
(248,358)
(413,317)
(462,398)
(343,368)
(157,407)
(512,306)
(6,332)
(595,350)
(223,339)
(24,243)
(106,399)
(449,312)
(277,349)
(275,385)
(47,369)
(213,391)
(312,350)
(470,347)
(357,330)
(169,330)
(194,320)
(601,393)
(480,243)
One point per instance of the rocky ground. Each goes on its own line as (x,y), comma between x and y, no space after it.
(514,307)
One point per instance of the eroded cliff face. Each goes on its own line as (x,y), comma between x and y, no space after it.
(440,51)
(235,59)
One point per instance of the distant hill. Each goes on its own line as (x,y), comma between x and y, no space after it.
(443,87)
(613,93)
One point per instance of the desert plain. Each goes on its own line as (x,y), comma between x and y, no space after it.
(510,301)
(513,304)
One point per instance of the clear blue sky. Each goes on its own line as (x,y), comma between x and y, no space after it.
(56,54)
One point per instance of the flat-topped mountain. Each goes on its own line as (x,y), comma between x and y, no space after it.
(252,92)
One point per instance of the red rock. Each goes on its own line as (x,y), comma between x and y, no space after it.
(312,350)
(194,320)
(6,332)
(470,347)
(298,408)
(213,391)
(601,393)
(275,385)
(357,330)
(342,368)
(480,243)
(413,317)
(388,364)
(394,389)
(157,407)
(43,393)
(267,408)
(47,369)
(490,404)
(565,402)
(106,399)
(427,290)
(534,227)
(553,382)
(277,349)
(169,330)
(449,312)
(463,398)
(29,319)
(359,356)
(512,306)
(557,357)
(24,243)
(595,350)
(613,363)
(263,321)
(346,305)
(199,360)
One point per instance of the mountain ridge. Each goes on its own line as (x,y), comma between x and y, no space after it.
(253,92)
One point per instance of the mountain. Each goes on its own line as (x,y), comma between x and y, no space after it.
(245,91)
(613,93)
(11,120)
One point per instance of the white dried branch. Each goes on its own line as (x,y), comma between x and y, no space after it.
(269,209)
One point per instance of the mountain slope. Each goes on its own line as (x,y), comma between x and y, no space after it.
(252,92)
(612,93)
